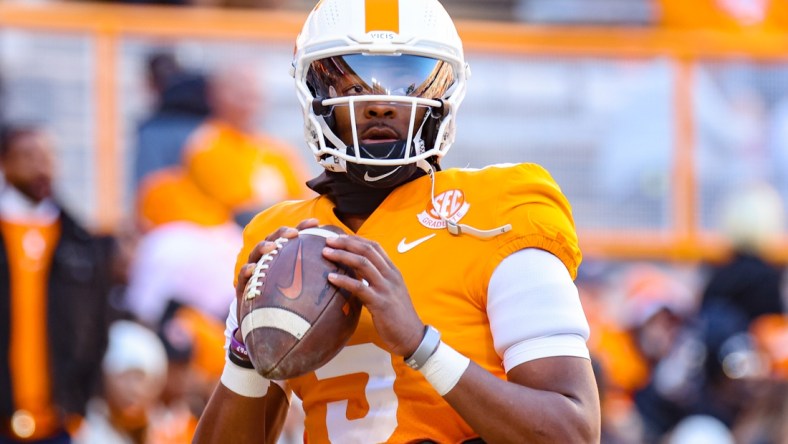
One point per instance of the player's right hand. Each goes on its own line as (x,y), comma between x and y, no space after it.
(262,248)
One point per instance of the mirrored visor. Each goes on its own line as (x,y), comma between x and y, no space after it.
(395,75)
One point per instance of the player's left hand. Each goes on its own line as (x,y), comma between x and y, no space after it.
(380,287)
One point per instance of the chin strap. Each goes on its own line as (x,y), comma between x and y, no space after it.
(454,228)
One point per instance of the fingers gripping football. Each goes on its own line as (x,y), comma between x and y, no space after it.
(293,320)
(377,282)
(262,248)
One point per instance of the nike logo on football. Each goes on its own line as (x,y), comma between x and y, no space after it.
(404,247)
(369,178)
(293,291)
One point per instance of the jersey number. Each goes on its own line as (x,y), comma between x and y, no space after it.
(381,420)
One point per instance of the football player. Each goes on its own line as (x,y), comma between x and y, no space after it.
(472,329)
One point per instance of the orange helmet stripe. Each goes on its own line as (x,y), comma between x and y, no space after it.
(382,15)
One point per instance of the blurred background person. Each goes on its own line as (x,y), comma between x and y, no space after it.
(181,104)
(729,379)
(764,364)
(191,216)
(708,376)
(233,162)
(190,334)
(192,367)
(184,263)
(747,282)
(229,170)
(54,284)
(640,319)
(134,371)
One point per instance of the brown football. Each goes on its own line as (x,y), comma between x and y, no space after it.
(292,319)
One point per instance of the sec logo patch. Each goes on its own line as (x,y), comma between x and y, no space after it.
(451,204)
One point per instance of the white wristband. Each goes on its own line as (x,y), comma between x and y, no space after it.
(444,368)
(244,381)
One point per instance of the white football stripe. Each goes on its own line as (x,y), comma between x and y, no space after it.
(277,318)
(328,234)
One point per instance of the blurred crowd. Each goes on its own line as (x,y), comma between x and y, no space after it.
(128,328)
(696,354)
(118,339)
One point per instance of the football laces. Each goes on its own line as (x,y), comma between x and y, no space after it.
(256,281)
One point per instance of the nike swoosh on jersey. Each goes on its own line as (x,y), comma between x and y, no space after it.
(293,291)
(369,178)
(404,246)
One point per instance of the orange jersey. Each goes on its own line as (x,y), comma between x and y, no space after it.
(169,195)
(31,247)
(243,171)
(367,395)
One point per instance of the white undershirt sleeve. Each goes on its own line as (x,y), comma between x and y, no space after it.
(534,309)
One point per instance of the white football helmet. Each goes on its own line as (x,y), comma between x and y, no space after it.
(406,53)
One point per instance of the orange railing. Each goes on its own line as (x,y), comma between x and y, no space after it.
(107,24)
